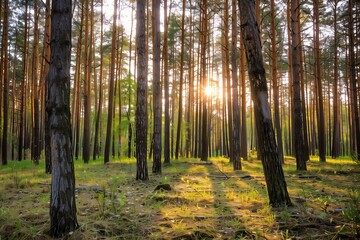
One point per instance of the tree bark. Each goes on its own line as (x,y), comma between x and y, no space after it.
(274,175)
(35,149)
(62,201)
(320,106)
(22,87)
(178,132)
(111,87)
(141,103)
(236,108)
(4,62)
(157,89)
(87,83)
(275,82)
(166,88)
(204,125)
(353,82)
(99,105)
(336,114)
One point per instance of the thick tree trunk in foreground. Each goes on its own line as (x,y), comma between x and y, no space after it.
(141,103)
(62,202)
(274,175)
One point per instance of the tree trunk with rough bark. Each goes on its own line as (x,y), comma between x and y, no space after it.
(274,175)
(141,103)
(62,201)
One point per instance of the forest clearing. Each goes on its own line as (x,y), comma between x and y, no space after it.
(114,115)
(206,201)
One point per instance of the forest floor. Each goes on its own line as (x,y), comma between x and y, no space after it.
(193,200)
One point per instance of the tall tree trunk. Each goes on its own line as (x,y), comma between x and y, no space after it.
(76,109)
(318,79)
(111,87)
(178,132)
(243,141)
(4,62)
(234,70)
(166,88)
(35,150)
(87,81)
(204,126)
(297,114)
(156,88)
(228,80)
(336,114)
(353,81)
(274,175)
(274,77)
(23,87)
(45,71)
(99,105)
(62,201)
(141,103)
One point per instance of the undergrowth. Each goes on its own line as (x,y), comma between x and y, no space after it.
(201,202)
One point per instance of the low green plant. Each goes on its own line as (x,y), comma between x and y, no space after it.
(285,215)
(101,200)
(352,212)
(16,179)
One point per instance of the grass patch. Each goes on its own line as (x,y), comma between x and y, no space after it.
(204,201)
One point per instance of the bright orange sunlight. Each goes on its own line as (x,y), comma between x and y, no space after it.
(209,91)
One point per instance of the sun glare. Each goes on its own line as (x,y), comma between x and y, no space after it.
(209,91)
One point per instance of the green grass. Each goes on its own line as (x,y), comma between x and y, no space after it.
(207,201)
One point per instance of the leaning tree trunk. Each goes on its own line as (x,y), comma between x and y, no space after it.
(274,175)
(62,201)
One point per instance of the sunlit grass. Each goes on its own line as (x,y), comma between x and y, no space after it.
(208,201)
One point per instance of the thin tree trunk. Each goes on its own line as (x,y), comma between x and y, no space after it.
(178,132)
(4,62)
(156,88)
(353,81)
(204,127)
(35,64)
(111,87)
(321,120)
(229,86)
(335,152)
(166,88)
(243,141)
(98,115)
(22,87)
(87,83)
(236,109)
(45,71)
(274,77)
